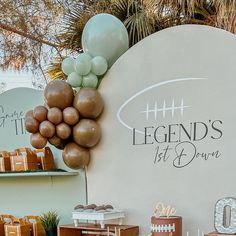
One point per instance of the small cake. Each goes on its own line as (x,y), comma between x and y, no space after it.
(90,208)
(166,226)
(79,208)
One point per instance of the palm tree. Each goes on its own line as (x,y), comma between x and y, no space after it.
(144,17)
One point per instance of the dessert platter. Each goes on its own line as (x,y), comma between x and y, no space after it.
(96,213)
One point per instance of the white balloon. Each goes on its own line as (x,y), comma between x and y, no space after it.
(90,81)
(83,64)
(105,35)
(99,65)
(67,65)
(74,79)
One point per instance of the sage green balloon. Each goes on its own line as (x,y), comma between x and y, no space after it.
(105,35)
(74,79)
(67,65)
(83,64)
(99,65)
(90,81)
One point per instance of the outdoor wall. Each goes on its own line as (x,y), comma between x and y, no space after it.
(169,128)
(21,196)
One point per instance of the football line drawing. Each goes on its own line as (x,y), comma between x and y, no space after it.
(164,108)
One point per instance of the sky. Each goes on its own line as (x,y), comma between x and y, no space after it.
(10,79)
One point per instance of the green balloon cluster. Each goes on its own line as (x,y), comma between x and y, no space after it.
(84,70)
(104,40)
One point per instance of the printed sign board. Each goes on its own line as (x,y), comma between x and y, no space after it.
(169,127)
(13,106)
(29,195)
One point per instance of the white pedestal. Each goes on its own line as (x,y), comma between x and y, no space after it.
(101,217)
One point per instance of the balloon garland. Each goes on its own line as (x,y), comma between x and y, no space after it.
(67,123)
(67,120)
(104,40)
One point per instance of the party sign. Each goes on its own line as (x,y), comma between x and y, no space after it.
(21,195)
(13,105)
(169,127)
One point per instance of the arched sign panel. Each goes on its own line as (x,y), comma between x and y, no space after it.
(22,196)
(169,127)
(13,105)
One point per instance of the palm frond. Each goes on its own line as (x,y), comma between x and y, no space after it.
(144,17)
(73,25)
(54,69)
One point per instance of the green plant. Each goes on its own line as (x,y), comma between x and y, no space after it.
(50,220)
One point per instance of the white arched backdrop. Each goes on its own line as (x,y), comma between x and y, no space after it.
(169,127)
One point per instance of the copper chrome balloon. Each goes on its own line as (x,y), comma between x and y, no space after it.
(31,125)
(29,114)
(38,141)
(70,116)
(47,129)
(87,133)
(75,157)
(55,115)
(89,103)
(63,131)
(58,94)
(40,113)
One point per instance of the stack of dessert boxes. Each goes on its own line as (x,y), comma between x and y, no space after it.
(27,226)
(24,159)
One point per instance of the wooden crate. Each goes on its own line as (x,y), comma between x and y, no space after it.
(93,229)
(45,158)
(18,227)
(5,164)
(7,218)
(26,159)
(37,227)
(2,233)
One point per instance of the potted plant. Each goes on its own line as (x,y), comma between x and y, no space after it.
(50,220)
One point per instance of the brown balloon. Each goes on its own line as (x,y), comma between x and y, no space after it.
(59,94)
(55,115)
(75,156)
(40,113)
(87,133)
(31,125)
(38,141)
(29,114)
(89,103)
(70,116)
(57,142)
(47,129)
(63,131)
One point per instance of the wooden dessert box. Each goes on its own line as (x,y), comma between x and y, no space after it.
(45,158)
(5,163)
(25,159)
(36,225)
(18,227)
(2,228)
(93,229)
